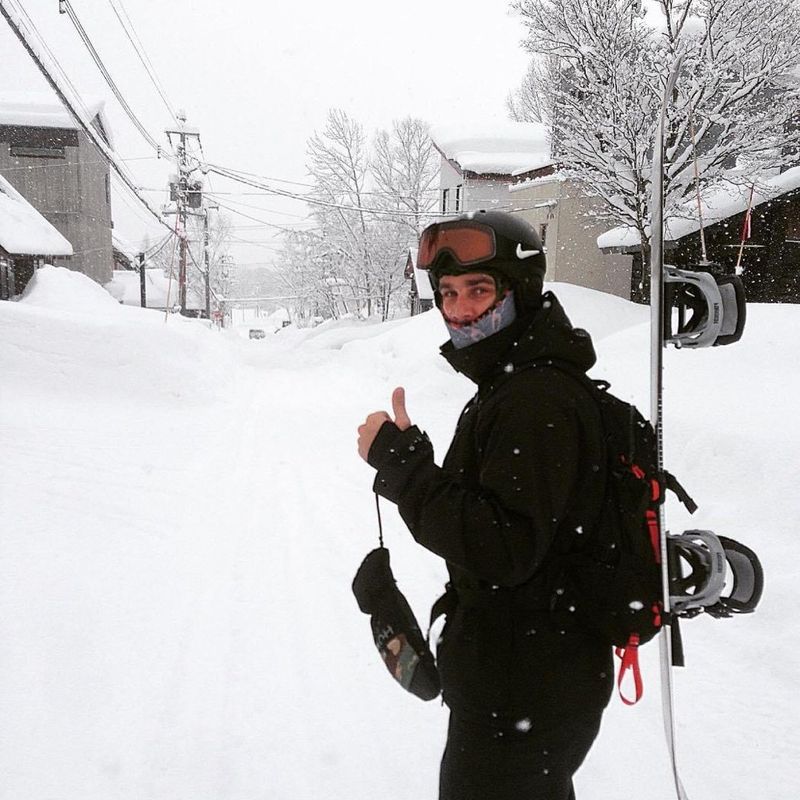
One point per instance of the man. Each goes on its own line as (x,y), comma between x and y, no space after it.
(521,484)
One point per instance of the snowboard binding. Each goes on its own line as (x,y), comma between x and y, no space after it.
(712,573)
(702,308)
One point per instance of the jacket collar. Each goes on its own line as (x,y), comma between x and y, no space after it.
(547,333)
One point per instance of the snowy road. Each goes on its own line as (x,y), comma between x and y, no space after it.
(183,513)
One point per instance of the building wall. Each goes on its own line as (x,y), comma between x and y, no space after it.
(476,193)
(571,237)
(770,265)
(71,191)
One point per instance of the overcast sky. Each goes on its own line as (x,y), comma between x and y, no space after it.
(257,78)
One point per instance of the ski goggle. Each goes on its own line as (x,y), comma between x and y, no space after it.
(465,241)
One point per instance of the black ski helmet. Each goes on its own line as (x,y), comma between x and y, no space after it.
(519,256)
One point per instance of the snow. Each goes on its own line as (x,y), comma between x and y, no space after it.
(718,203)
(44,110)
(652,12)
(184,511)
(56,288)
(501,148)
(161,291)
(421,278)
(23,230)
(555,177)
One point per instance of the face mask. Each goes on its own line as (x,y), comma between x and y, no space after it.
(499,316)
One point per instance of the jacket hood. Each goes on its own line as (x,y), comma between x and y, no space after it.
(547,333)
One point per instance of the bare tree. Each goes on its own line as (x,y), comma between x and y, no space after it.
(406,168)
(219,237)
(313,275)
(339,165)
(370,208)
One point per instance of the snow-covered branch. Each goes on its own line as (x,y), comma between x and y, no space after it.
(596,77)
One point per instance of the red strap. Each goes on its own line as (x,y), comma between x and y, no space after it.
(629,656)
(655,533)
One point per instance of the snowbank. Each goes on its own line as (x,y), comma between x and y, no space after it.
(62,289)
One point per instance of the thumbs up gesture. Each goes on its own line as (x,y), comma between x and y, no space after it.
(369,430)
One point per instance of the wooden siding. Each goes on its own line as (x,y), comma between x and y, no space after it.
(70,192)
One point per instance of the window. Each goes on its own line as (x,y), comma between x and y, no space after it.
(27,151)
(543,234)
(459,189)
(445,200)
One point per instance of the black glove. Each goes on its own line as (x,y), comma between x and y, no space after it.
(394,628)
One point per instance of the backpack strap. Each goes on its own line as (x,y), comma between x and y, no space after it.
(629,660)
(671,482)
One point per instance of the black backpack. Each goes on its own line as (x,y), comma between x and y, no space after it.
(612,577)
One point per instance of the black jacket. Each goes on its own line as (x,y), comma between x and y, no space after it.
(522,482)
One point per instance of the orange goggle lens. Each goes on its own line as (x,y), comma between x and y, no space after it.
(467,242)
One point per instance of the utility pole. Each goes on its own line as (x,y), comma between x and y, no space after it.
(207,263)
(186,194)
(182,245)
(207,257)
(142,276)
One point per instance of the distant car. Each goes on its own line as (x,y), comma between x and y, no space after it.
(256,333)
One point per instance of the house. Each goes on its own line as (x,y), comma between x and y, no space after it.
(480,161)
(123,254)
(27,239)
(56,167)
(567,223)
(763,246)
(421,292)
(509,167)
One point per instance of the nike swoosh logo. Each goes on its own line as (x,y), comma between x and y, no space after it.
(526,253)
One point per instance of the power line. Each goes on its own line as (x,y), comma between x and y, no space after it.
(29,23)
(235,176)
(67,163)
(13,22)
(304,198)
(255,219)
(240,204)
(237,240)
(70,11)
(130,32)
(123,192)
(307,185)
(157,248)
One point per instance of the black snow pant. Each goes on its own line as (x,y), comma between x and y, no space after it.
(514,760)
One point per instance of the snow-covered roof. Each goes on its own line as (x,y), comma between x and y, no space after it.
(505,148)
(553,177)
(39,110)
(23,230)
(718,204)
